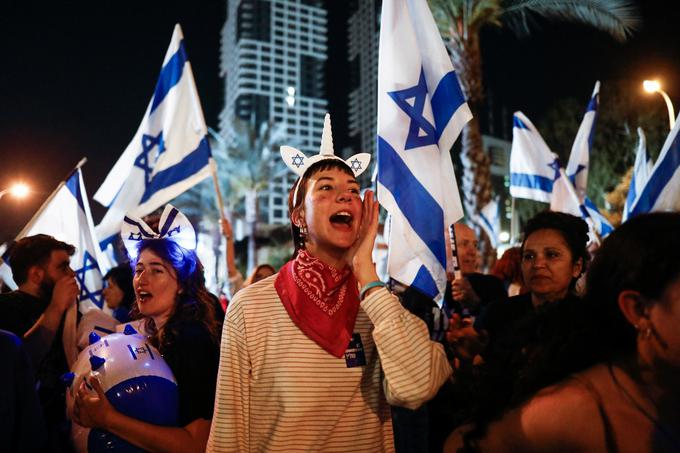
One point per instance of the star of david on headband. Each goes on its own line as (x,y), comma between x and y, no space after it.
(298,162)
(173,226)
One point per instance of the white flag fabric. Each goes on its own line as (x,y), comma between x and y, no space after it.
(421,111)
(662,191)
(490,220)
(641,171)
(597,221)
(169,153)
(5,271)
(66,216)
(564,197)
(533,167)
(577,167)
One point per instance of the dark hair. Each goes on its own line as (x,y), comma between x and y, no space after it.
(258,268)
(641,255)
(194,303)
(574,231)
(34,251)
(509,266)
(322,165)
(122,277)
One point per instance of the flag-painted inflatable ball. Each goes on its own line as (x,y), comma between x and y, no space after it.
(136,381)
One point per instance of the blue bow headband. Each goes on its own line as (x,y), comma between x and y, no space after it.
(173,226)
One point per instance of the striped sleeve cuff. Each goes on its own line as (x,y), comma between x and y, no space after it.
(381,305)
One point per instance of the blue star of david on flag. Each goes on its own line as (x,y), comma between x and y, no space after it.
(356,165)
(89,265)
(420,132)
(555,165)
(143,161)
(298,160)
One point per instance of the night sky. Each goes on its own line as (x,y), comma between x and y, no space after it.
(76,78)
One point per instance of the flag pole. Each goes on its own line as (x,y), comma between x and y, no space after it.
(513,221)
(218,192)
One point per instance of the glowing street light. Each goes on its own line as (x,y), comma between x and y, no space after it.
(17,190)
(653,86)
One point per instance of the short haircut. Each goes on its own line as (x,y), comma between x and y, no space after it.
(34,251)
(322,165)
(574,231)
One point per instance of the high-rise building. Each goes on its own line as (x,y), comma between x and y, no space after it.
(273,54)
(363,39)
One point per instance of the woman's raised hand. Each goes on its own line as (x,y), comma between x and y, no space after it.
(360,255)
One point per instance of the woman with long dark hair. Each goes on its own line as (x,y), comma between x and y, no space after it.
(312,355)
(178,315)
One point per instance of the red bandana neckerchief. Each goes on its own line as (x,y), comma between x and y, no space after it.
(321,300)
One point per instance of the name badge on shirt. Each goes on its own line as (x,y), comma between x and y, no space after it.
(354,355)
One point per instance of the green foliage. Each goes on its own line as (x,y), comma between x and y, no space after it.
(618,18)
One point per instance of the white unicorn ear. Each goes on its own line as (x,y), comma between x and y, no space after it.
(294,159)
(326,148)
(359,163)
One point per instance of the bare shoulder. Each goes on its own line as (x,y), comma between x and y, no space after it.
(562,417)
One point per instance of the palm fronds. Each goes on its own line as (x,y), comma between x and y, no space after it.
(618,18)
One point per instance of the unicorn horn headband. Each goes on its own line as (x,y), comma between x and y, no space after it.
(172,226)
(299,163)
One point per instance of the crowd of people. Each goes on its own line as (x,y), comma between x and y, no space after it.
(322,356)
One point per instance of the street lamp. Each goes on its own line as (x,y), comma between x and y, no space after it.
(17,190)
(653,86)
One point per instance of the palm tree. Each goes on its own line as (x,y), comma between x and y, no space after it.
(248,166)
(460,22)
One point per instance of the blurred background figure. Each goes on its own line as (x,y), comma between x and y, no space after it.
(261,272)
(508,268)
(118,293)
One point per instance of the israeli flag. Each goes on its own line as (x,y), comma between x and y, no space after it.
(169,153)
(597,221)
(565,199)
(66,216)
(533,167)
(577,167)
(662,190)
(421,111)
(641,171)
(490,221)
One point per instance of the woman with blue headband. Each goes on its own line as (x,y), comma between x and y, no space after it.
(178,315)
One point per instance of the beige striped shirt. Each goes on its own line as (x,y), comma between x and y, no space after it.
(277,390)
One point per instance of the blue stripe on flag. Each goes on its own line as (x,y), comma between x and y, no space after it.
(516,122)
(488,224)
(447,98)
(592,105)
(170,75)
(191,164)
(73,185)
(422,211)
(531,181)
(425,283)
(658,180)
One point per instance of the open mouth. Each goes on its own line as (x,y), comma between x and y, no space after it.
(342,218)
(143,296)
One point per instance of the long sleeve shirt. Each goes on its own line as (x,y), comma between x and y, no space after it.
(278,390)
